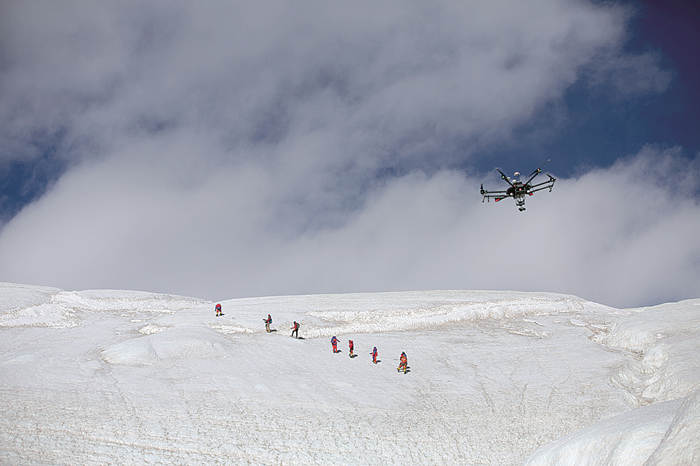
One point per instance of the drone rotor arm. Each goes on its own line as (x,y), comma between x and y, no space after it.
(540,186)
(532,191)
(504,177)
(495,195)
(530,180)
(549,184)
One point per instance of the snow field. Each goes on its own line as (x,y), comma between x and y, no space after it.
(109,377)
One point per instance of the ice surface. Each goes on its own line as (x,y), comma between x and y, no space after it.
(124,377)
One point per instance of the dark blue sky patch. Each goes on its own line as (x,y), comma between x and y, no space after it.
(591,127)
(673,29)
(22,181)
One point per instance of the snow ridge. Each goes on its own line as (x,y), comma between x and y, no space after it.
(22,305)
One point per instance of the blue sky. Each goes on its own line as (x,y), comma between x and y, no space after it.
(599,129)
(224,150)
(671,28)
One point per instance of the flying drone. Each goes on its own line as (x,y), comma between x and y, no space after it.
(518,190)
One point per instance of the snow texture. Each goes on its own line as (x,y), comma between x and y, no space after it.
(502,378)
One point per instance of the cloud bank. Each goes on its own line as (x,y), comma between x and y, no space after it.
(226,150)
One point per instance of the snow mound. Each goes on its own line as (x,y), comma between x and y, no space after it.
(184,341)
(662,434)
(627,439)
(681,443)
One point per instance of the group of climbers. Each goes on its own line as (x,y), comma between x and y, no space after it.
(295,326)
(268,322)
(403,360)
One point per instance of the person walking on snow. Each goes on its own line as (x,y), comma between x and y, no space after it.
(295,329)
(218,310)
(352,348)
(374,355)
(268,321)
(334,342)
(404,363)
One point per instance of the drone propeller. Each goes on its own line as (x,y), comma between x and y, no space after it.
(535,173)
(539,170)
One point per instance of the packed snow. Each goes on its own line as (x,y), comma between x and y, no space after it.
(498,378)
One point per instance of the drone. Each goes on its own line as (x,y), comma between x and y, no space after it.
(518,190)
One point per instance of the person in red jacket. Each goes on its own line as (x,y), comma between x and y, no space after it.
(218,310)
(268,321)
(295,329)
(403,364)
(334,342)
(352,348)
(374,355)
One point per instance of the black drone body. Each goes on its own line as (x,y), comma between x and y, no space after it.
(517,189)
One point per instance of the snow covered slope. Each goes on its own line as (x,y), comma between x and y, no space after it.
(121,377)
(662,378)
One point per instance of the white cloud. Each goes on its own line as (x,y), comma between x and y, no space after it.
(369,73)
(613,236)
(225,149)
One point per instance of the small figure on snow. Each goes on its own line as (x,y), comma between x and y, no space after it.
(352,348)
(268,321)
(218,310)
(374,355)
(403,364)
(334,342)
(295,329)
